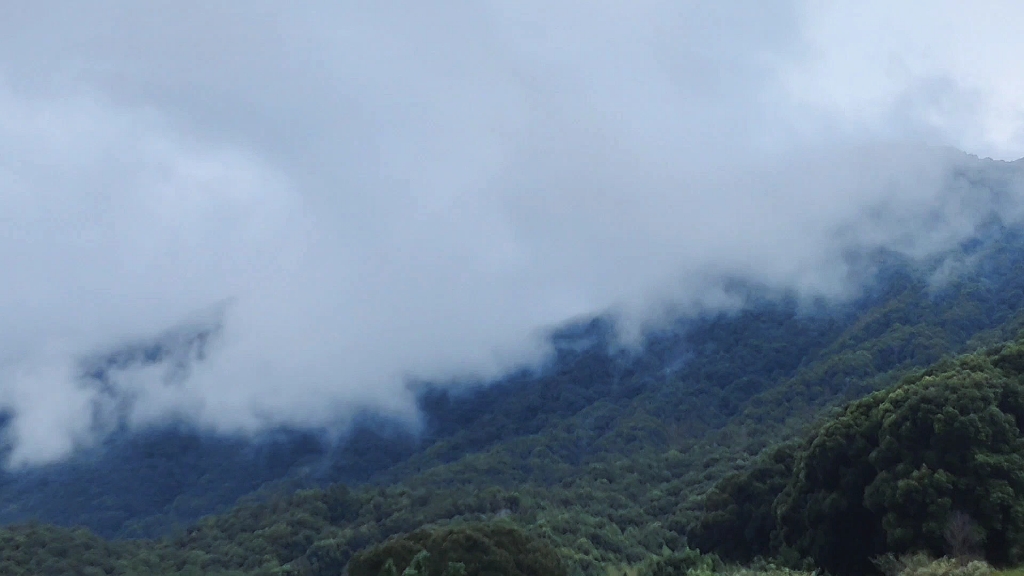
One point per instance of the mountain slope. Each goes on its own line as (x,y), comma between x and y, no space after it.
(607,453)
(711,379)
(620,515)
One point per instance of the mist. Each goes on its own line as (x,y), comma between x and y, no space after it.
(354,196)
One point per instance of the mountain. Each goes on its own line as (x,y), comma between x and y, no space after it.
(610,458)
(934,463)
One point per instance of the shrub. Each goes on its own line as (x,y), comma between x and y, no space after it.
(495,549)
(921,564)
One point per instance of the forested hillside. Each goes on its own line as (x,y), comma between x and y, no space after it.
(896,471)
(701,387)
(603,461)
(535,288)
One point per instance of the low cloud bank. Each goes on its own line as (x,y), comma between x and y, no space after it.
(355,196)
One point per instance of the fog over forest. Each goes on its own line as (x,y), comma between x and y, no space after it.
(353,195)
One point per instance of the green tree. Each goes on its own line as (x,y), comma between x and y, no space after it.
(888,473)
(495,549)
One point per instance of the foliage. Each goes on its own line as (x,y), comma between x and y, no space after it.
(684,562)
(497,548)
(738,519)
(888,473)
(963,536)
(892,472)
(921,564)
(607,460)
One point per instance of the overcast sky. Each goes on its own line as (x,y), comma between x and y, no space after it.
(376,191)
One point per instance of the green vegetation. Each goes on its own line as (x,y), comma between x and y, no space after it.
(891,473)
(774,440)
(921,564)
(495,548)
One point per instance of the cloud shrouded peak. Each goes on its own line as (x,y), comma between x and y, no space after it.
(358,195)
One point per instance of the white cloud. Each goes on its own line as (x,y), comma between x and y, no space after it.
(951,65)
(381,193)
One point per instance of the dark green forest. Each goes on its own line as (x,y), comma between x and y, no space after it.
(786,436)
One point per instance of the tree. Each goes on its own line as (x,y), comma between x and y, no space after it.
(738,519)
(888,472)
(963,536)
(491,548)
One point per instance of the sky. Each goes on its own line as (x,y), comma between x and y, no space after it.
(360,194)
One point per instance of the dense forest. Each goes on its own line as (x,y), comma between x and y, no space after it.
(784,436)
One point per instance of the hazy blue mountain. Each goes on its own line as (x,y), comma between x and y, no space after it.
(695,375)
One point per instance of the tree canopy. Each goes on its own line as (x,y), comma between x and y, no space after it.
(888,473)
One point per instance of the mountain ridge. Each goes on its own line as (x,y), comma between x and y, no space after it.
(606,453)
